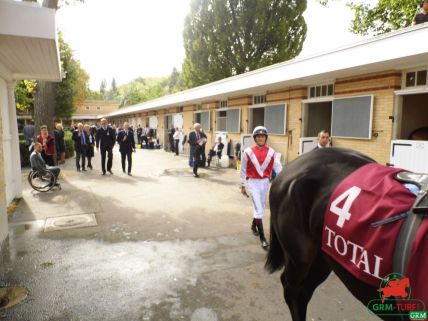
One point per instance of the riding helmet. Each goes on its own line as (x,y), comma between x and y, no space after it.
(260,130)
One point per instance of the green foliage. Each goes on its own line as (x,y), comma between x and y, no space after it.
(103,87)
(69,144)
(141,90)
(94,95)
(385,16)
(24,153)
(113,92)
(71,87)
(175,83)
(223,38)
(24,95)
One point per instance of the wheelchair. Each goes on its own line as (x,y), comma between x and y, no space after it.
(42,180)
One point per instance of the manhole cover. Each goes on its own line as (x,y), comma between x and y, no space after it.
(11,296)
(71,221)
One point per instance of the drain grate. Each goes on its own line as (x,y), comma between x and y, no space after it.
(12,296)
(69,222)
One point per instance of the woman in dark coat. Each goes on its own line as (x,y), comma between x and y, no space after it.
(91,144)
(59,142)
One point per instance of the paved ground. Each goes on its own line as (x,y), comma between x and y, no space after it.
(167,247)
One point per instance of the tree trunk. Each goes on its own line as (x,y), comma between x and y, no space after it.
(44,105)
(44,102)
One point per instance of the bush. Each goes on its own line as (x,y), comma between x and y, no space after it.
(69,145)
(25,153)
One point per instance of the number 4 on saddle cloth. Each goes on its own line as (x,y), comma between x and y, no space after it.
(363,224)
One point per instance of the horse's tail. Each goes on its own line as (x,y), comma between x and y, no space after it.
(275,258)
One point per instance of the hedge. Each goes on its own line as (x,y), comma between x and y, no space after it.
(25,153)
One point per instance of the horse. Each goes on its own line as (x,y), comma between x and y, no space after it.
(298,201)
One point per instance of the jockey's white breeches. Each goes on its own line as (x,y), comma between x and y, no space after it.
(258,191)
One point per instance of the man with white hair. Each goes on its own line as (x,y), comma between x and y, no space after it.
(197,141)
(126,141)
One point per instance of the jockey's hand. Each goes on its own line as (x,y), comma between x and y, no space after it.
(244,191)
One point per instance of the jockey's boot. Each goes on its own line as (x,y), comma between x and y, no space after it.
(263,241)
(254,228)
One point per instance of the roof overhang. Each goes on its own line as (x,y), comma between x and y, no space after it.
(397,50)
(28,42)
(78,117)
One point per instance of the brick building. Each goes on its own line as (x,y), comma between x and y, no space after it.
(370,95)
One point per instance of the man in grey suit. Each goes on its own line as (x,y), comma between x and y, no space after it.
(38,164)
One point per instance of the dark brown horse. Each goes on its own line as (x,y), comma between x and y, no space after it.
(298,200)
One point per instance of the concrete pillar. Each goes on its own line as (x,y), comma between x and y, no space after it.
(16,157)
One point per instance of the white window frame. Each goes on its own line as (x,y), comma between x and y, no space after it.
(371,118)
(270,105)
(321,85)
(226,110)
(223,103)
(259,103)
(209,118)
(415,70)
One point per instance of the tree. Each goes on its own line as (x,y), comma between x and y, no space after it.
(175,82)
(72,88)
(103,88)
(223,38)
(385,16)
(24,95)
(44,99)
(113,93)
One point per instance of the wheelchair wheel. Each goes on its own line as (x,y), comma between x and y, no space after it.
(42,181)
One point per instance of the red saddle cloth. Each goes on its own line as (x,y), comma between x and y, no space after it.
(368,195)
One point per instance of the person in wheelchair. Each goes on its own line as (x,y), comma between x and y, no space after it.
(38,164)
(217,150)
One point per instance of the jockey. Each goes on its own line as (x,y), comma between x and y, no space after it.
(257,163)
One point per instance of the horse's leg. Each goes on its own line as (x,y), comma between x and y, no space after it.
(299,283)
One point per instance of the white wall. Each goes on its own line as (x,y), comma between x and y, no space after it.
(3,184)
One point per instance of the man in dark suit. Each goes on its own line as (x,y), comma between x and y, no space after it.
(197,141)
(81,141)
(106,138)
(126,141)
(139,133)
(323,139)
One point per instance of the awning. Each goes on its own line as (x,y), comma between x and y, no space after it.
(28,42)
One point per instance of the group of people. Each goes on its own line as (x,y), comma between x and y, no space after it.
(50,145)
(259,163)
(144,135)
(103,138)
(197,142)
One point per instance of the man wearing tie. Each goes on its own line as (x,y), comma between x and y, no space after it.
(126,141)
(197,141)
(105,139)
(81,140)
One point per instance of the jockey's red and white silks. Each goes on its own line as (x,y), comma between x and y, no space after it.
(257,164)
(368,195)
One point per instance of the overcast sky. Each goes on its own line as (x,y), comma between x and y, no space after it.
(130,38)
